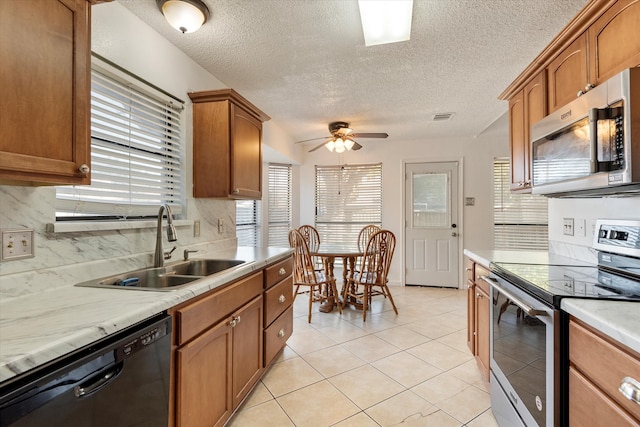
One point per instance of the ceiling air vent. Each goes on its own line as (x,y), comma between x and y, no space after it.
(440,117)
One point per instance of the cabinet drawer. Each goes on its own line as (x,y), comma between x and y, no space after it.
(469,269)
(588,406)
(276,335)
(479,273)
(277,299)
(196,317)
(276,272)
(604,363)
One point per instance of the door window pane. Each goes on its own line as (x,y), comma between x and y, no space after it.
(431,200)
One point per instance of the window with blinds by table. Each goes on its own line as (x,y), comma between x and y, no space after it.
(347,198)
(136,151)
(520,220)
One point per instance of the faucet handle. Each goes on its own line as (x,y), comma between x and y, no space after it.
(187,252)
(167,255)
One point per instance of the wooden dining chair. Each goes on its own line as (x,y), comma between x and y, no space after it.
(371,277)
(305,275)
(311,236)
(364,235)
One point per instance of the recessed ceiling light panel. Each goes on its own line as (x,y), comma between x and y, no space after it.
(385,21)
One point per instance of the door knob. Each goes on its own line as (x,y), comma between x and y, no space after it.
(454,234)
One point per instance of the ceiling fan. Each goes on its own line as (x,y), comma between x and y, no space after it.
(342,138)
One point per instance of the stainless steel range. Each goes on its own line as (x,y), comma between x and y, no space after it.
(528,345)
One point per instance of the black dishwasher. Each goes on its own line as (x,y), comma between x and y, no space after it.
(122,380)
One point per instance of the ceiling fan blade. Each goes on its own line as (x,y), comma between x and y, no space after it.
(312,139)
(370,135)
(318,146)
(356,146)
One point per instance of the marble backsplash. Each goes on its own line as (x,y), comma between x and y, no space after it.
(65,258)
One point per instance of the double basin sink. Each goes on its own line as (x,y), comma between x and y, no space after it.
(166,278)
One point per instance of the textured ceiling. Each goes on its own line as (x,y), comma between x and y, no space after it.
(304,63)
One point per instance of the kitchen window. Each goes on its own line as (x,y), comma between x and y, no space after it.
(348,197)
(279,205)
(520,220)
(136,151)
(248,222)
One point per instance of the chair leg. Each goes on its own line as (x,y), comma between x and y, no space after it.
(365,300)
(345,288)
(335,293)
(311,291)
(295,292)
(387,292)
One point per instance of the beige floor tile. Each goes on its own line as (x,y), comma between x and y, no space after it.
(285,354)
(290,375)
(400,407)
(457,340)
(309,341)
(257,416)
(370,348)
(406,369)
(359,420)
(440,355)
(432,329)
(319,404)
(440,388)
(466,405)
(402,337)
(374,322)
(343,331)
(470,373)
(366,386)
(260,394)
(333,361)
(485,419)
(435,419)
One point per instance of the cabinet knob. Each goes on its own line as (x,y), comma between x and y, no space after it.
(282,299)
(281,333)
(84,169)
(236,191)
(282,271)
(630,388)
(479,296)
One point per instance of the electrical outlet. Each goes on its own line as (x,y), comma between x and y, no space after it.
(17,244)
(581,227)
(220,225)
(196,228)
(567,226)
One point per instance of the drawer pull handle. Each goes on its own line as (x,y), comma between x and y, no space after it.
(281,333)
(282,271)
(234,321)
(630,388)
(282,299)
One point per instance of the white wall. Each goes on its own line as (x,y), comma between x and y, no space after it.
(476,155)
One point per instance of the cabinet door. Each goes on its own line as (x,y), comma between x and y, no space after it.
(471,317)
(483,320)
(614,42)
(535,108)
(45,75)
(517,141)
(246,154)
(203,379)
(247,348)
(567,74)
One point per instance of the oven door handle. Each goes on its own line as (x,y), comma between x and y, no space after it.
(527,309)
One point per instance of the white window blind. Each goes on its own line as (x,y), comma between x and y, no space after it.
(348,197)
(248,222)
(279,205)
(520,220)
(136,151)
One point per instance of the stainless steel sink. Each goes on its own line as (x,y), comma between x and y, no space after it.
(168,278)
(203,267)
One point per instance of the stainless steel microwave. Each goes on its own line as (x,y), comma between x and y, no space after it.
(591,146)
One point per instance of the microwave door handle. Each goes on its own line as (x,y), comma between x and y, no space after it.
(524,306)
(594,115)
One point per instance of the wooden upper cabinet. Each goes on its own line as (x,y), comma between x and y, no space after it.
(45,74)
(568,74)
(614,41)
(227,145)
(517,140)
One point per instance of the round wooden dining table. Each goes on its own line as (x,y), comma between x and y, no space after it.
(328,253)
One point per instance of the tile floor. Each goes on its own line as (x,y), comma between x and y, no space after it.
(413,369)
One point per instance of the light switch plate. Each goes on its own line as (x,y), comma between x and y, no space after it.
(17,244)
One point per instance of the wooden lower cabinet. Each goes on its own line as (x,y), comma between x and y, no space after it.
(247,349)
(597,367)
(478,315)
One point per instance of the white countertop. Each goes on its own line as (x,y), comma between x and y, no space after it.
(38,328)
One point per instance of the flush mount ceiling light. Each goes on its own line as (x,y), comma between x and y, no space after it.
(185,16)
(385,21)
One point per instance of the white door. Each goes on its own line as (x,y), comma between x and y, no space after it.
(431,221)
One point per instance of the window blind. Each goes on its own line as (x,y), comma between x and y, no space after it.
(248,222)
(279,205)
(520,220)
(136,151)
(348,197)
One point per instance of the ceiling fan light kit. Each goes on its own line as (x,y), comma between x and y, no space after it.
(342,138)
(185,16)
(385,21)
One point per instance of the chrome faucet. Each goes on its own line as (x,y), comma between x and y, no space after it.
(158,260)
